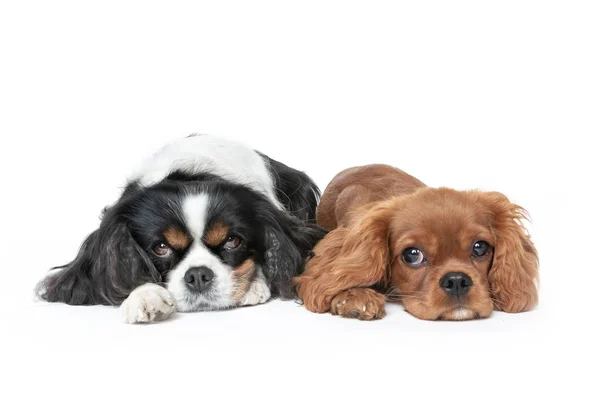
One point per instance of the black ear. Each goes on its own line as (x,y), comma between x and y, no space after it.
(295,190)
(110,264)
(289,243)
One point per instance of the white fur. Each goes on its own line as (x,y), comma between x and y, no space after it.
(148,303)
(219,295)
(205,153)
(195,211)
(231,161)
(257,293)
(462,314)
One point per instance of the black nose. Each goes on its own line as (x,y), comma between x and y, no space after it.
(198,279)
(456,284)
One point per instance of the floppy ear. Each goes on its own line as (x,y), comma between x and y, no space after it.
(295,190)
(357,256)
(288,244)
(110,264)
(513,275)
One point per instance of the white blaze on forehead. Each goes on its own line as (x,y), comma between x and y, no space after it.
(219,296)
(195,210)
(195,214)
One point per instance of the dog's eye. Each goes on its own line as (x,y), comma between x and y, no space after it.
(480,248)
(413,257)
(232,242)
(161,249)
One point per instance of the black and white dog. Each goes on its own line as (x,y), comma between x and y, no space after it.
(204,224)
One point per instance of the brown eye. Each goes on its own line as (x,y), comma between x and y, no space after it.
(480,249)
(413,257)
(232,242)
(161,249)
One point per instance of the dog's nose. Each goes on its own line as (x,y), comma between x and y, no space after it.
(198,279)
(456,284)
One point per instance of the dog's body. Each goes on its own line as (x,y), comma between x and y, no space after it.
(359,187)
(204,224)
(445,254)
(201,155)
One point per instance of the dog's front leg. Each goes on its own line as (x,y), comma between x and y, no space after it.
(148,303)
(258,292)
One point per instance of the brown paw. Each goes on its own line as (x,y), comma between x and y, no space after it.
(361,303)
(317,304)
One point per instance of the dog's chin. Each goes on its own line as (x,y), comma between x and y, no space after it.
(195,303)
(459,313)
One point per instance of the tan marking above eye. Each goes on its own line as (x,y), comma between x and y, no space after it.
(177,238)
(216,234)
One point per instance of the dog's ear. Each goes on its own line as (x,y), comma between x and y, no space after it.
(296,191)
(513,275)
(288,244)
(348,257)
(109,265)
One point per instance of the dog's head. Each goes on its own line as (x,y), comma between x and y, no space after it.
(446,254)
(206,241)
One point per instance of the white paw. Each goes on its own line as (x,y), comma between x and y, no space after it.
(257,293)
(148,303)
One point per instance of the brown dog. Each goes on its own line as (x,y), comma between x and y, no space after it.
(444,254)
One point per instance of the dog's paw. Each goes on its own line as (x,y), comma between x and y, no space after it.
(257,293)
(148,303)
(361,303)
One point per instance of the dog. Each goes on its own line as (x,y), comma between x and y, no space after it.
(444,254)
(203,224)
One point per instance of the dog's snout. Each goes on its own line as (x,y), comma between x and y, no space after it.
(456,284)
(198,279)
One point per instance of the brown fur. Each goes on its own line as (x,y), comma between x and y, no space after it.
(216,234)
(177,238)
(357,186)
(242,276)
(394,211)
(361,303)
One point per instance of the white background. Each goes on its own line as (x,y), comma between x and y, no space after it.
(492,95)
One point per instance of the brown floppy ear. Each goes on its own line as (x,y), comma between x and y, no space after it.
(513,275)
(356,256)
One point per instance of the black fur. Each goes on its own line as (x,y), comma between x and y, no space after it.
(110,264)
(117,258)
(289,243)
(295,190)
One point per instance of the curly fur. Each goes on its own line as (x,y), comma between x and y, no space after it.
(377,211)
(175,199)
(514,273)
